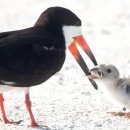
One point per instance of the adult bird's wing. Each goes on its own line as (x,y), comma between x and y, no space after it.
(28,57)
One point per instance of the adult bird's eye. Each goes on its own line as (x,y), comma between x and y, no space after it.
(109,70)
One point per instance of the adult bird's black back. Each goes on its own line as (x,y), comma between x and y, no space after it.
(30,56)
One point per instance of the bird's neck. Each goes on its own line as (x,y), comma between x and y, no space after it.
(58,34)
(70,32)
(109,84)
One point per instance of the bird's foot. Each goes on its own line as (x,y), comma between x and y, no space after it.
(117,113)
(12,122)
(34,124)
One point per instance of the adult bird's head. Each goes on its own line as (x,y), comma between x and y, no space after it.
(64,24)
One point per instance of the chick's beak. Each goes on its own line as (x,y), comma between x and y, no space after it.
(95,73)
(92,77)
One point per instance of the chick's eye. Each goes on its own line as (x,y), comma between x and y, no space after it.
(99,73)
(109,70)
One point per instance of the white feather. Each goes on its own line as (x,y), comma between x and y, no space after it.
(70,32)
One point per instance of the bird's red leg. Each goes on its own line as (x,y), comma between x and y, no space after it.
(28,105)
(3,111)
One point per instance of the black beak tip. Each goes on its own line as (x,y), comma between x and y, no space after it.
(92,57)
(94,84)
(94,61)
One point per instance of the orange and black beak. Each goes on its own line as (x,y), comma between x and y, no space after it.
(73,49)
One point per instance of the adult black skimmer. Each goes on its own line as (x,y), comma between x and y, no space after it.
(116,88)
(30,56)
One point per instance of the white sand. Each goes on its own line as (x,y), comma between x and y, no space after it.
(68,101)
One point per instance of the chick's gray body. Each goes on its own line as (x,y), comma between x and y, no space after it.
(118,89)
